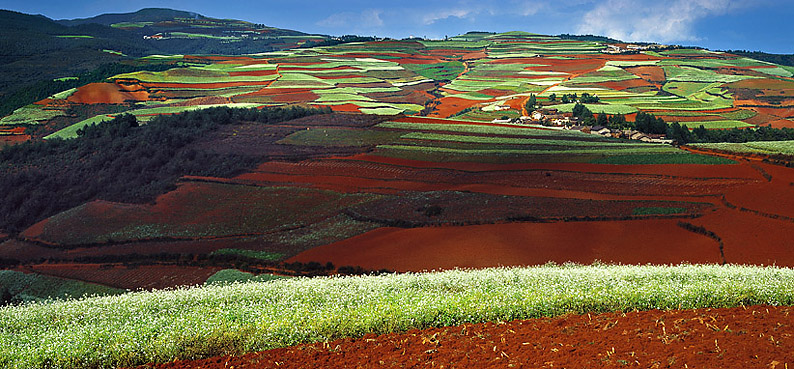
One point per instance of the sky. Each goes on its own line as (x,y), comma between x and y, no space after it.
(764,25)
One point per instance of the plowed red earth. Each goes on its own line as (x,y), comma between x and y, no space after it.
(106,93)
(139,277)
(661,241)
(753,337)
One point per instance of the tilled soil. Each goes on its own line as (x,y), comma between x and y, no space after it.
(751,337)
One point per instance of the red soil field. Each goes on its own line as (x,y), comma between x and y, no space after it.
(629,83)
(13,139)
(762,119)
(574,66)
(774,197)
(13,130)
(741,171)
(106,93)
(762,84)
(295,97)
(145,276)
(450,105)
(403,96)
(204,85)
(416,249)
(354,176)
(206,100)
(787,111)
(649,73)
(750,337)
(782,123)
(751,239)
(349,108)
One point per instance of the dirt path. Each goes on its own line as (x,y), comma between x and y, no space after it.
(753,337)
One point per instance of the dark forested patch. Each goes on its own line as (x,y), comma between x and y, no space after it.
(120,160)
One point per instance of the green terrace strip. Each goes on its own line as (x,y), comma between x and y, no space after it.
(669,158)
(762,147)
(480,128)
(527,141)
(539,151)
(189,323)
(262,255)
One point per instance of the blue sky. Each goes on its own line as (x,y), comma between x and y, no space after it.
(717,24)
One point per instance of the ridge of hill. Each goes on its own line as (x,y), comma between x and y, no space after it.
(143,15)
(36,48)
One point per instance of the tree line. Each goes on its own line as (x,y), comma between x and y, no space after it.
(680,133)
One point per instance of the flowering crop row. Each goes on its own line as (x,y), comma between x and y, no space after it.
(188,323)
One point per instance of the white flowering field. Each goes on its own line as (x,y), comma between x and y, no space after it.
(189,323)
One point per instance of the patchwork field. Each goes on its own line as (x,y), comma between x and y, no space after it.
(471,76)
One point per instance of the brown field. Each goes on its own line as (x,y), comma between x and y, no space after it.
(744,337)
(107,93)
(128,277)
(417,249)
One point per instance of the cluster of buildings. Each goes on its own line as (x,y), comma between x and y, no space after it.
(631,49)
(566,121)
(628,134)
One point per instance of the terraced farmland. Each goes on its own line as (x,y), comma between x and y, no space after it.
(472,76)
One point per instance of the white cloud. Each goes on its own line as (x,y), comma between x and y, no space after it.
(370,18)
(651,20)
(461,13)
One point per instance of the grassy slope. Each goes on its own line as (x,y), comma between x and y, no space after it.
(146,327)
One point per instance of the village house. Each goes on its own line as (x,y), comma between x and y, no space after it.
(600,130)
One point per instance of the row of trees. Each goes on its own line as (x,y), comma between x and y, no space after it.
(681,133)
(119,160)
(585,98)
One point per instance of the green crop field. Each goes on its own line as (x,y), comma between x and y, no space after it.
(719,124)
(609,108)
(439,71)
(29,287)
(30,114)
(762,147)
(482,129)
(262,255)
(527,141)
(665,158)
(143,327)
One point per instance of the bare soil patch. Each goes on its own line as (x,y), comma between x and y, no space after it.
(752,337)
(447,247)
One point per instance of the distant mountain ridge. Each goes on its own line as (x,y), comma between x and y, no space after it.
(35,48)
(143,15)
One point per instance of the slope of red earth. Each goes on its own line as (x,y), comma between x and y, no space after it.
(782,123)
(751,337)
(415,249)
(107,93)
(450,105)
